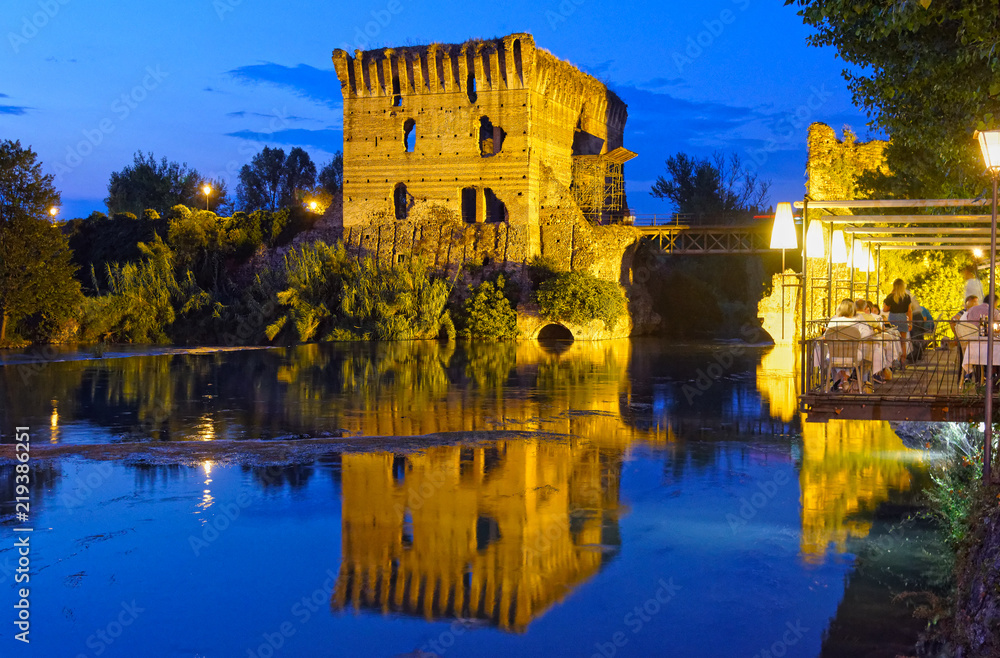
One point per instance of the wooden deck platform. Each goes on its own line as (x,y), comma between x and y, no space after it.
(930,390)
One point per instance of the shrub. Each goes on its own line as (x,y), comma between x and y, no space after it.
(578,297)
(488,313)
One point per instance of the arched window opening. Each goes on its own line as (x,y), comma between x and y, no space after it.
(490,138)
(496,210)
(401,201)
(469,198)
(409,135)
(470,88)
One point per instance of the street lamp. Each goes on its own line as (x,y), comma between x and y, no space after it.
(783,237)
(53,211)
(989,142)
(313,206)
(206,190)
(815,246)
(838,248)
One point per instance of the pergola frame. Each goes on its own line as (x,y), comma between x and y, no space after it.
(890,232)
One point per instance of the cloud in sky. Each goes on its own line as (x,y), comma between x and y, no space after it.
(318,85)
(16,110)
(242,114)
(330,140)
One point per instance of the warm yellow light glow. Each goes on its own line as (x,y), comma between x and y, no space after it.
(207,466)
(313,205)
(977,252)
(783,231)
(53,211)
(838,248)
(815,248)
(206,189)
(989,144)
(861,258)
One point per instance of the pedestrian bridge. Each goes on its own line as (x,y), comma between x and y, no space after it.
(676,234)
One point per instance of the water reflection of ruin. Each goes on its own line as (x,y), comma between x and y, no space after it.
(498,532)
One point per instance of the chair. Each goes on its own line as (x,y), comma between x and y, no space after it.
(965,332)
(843,343)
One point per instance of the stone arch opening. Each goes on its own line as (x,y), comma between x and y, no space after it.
(409,135)
(470,198)
(555,331)
(401,201)
(490,137)
(496,210)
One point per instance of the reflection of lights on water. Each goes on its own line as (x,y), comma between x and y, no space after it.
(207,499)
(54,422)
(206,431)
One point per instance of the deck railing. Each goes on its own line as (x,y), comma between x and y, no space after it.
(845,360)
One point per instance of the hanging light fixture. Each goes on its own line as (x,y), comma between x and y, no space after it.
(860,257)
(783,234)
(815,247)
(838,248)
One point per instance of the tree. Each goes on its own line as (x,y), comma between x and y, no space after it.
(718,189)
(331,176)
(271,180)
(37,287)
(928,74)
(159,186)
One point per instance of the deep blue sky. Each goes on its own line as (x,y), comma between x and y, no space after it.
(86,83)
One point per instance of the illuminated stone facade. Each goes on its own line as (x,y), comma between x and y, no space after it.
(483,150)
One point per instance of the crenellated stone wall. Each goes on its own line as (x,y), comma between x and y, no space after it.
(482,134)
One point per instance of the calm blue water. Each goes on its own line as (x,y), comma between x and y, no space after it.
(608,511)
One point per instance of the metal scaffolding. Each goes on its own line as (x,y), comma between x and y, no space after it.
(598,185)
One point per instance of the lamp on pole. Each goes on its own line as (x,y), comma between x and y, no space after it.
(989,142)
(783,237)
(53,211)
(207,191)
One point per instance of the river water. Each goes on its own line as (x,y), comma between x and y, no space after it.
(625,498)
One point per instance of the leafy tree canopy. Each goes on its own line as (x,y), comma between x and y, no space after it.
(331,176)
(272,180)
(927,73)
(37,288)
(714,190)
(148,184)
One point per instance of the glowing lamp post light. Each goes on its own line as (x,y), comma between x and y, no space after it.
(313,206)
(838,248)
(207,191)
(783,237)
(53,211)
(989,142)
(814,240)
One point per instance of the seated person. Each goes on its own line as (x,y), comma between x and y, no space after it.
(863,314)
(970,301)
(847,317)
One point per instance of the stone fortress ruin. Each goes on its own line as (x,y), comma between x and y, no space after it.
(491,150)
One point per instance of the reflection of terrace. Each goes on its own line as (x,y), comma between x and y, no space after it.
(848,469)
(498,533)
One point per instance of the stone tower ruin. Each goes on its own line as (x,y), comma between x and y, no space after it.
(520,147)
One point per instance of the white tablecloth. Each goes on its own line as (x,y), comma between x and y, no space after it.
(880,350)
(976,353)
